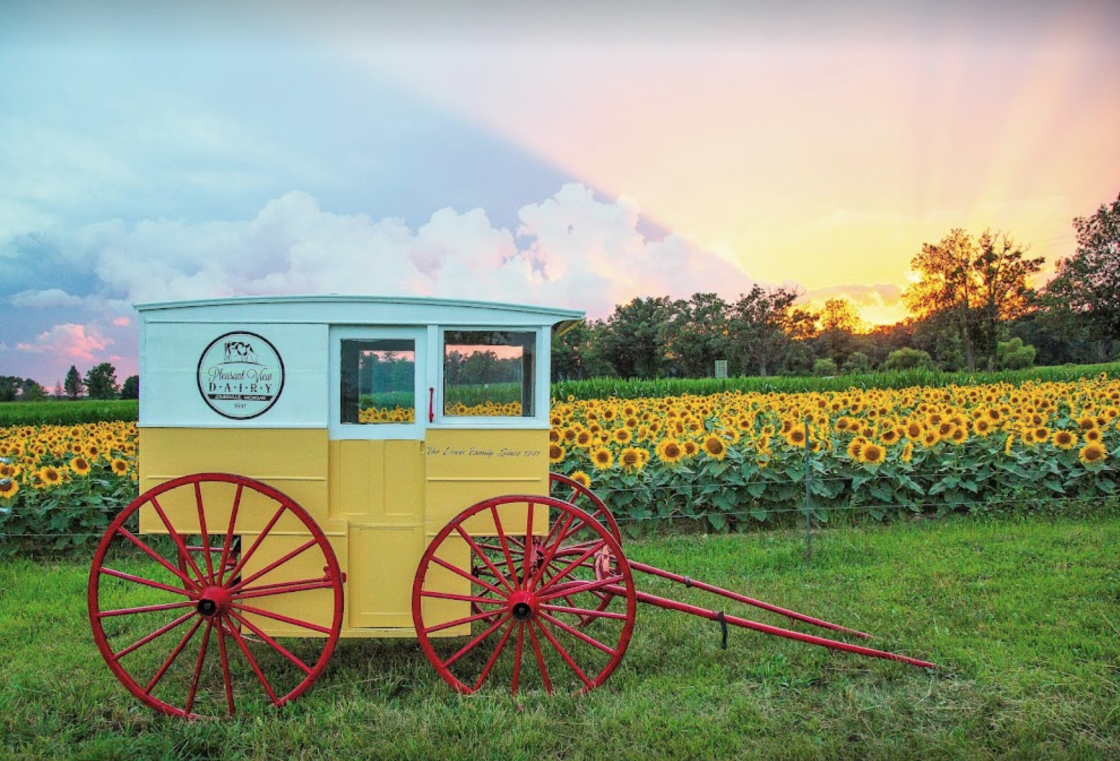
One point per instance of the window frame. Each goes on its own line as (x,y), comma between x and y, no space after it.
(541,391)
(414,430)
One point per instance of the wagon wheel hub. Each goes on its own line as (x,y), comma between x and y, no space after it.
(522,605)
(214,600)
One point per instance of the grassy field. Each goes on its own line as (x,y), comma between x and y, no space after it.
(1021,613)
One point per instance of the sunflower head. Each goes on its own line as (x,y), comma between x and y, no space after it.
(50,475)
(715,447)
(669,451)
(1092,454)
(582,479)
(555,453)
(80,466)
(631,459)
(602,458)
(1064,440)
(872,454)
(9,487)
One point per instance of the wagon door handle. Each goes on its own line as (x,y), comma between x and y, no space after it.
(431,404)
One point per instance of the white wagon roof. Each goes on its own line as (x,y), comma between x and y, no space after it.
(357,310)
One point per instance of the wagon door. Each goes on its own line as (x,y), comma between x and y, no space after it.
(378,409)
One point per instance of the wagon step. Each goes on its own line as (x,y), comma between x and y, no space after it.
(690,583)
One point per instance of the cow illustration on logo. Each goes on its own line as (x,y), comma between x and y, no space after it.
(240,375)
(240,351)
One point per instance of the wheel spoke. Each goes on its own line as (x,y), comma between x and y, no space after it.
(198,666)
(573,565)
(588,587)
(493,569)
(488,615)
(171,658)
(578,634)
(564,654)
(282,587)
(227,543)
(272,643)
(148,638)
(532,583)
(584,612)
(192,583)
(146,609)
(462,598)
(504,544)
(283,619)
(257,542)
(477,640)
(274,565)
(493,657)
(253,664)
(518,648)
(205,538)
(540,658)
(145,582)
(224,655)
(178,540)
(468,576)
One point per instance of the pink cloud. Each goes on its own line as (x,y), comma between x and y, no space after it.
(76,342)
(122,322)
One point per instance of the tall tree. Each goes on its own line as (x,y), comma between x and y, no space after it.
(696,334)
(577,353)
(1003,287)
(762,324)
(130,389)
(971,286)
(632,338)
(1087,284)
(74,385)
(943,291)
(101,381)
(840,322)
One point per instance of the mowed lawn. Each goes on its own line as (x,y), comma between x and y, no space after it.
(1022,614)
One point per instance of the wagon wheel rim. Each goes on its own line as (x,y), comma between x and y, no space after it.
(196,632)
(522,619)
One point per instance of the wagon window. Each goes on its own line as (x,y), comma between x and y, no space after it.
(378,381)
(488,373)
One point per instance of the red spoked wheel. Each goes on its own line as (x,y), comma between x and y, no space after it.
(568,489)
(503,591)
(232,598)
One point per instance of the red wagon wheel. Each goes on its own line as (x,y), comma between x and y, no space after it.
(191,619)
(502,594)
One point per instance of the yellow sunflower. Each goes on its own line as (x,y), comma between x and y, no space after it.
(555,453)
(602,458)
(872,454)
(622,435)
(1064,440)
(80,466)
(50,475)
(690,448)
(715,447)
(9,487)
(1092,454)
(669,451)
(581,478)
(631,459)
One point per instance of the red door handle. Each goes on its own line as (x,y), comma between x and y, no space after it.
(432,404)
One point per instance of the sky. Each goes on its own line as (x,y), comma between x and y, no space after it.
(575,154)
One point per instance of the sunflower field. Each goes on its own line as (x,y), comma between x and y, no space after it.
(60,486)
(734,457)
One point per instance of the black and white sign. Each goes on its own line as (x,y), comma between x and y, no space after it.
(240,375)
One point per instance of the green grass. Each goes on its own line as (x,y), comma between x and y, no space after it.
(1022,614)
(602,388)
(68,413)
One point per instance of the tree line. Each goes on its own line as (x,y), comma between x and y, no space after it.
(99,382)
(972,307)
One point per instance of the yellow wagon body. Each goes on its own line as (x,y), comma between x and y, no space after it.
(378,492)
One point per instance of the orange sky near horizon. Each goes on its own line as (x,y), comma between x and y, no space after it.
(815,159)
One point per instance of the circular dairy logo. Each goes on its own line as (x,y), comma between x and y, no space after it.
(240,375)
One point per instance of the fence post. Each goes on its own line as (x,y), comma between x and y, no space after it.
(808,506)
